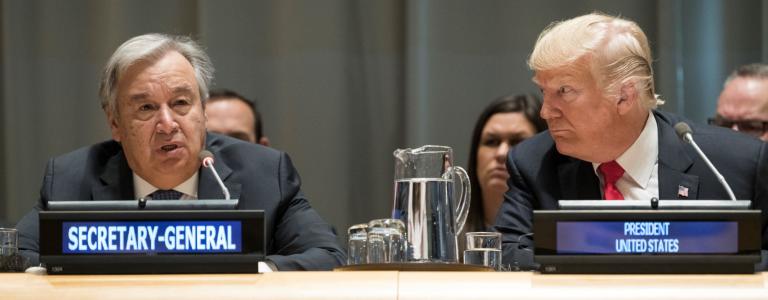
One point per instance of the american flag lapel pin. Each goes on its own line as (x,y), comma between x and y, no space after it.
(682,192)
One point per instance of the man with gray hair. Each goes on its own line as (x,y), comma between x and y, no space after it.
(743,103)
(606,140)
(153,91)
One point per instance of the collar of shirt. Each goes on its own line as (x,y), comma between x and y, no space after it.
(142,188)
(640,159)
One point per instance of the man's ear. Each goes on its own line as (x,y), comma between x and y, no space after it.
(264,141)
(205,112)
(113,124)
(627,97)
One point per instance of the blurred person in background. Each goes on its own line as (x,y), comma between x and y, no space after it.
(232,114)
(743,103)
(503,124)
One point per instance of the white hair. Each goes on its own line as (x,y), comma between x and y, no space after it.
(151,47)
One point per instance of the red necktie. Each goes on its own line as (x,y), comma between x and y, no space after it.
(611,172)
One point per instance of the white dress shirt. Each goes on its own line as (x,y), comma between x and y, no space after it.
(641,165)
(188,188)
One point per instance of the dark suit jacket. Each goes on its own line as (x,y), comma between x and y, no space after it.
(540,176)
(261,177)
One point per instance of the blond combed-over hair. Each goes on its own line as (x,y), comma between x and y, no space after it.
(616,49)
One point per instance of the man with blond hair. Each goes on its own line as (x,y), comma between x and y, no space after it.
(606,140)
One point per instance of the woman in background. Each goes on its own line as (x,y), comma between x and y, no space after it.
(503,124)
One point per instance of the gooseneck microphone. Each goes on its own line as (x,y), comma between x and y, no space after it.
(207,159)
(685,133)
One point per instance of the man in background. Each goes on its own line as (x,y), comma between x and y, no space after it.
(743,104)
(232,114)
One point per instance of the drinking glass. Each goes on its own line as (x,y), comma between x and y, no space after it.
(9,241)
(386,241)
(483,248)
(10,259)
(356,244)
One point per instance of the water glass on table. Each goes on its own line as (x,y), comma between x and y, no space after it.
(10,260)
(386,241)
(9,241)
(357,241)
(483,248)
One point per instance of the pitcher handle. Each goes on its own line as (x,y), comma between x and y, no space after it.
(466,190)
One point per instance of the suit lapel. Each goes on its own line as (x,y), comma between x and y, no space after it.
(208,187)
(674,162)
(578,180)
(116,179)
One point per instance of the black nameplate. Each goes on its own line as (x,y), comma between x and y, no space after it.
(156,241)
(647,241)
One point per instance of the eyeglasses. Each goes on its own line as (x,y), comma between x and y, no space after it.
(751,127)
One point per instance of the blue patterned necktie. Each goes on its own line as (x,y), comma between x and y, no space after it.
(166,195)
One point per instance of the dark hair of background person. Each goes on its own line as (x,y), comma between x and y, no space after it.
(529,106)
(756,70)
(220,94)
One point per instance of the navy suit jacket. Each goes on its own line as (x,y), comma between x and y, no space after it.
(262,178)
(540,176)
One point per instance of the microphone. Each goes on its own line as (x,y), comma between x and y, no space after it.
(685,133)
(207,159)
